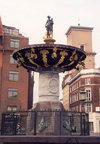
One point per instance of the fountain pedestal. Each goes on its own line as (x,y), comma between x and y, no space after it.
(47,106)
(48,91)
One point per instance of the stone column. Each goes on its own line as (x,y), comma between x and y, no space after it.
(49,87)
(48,91)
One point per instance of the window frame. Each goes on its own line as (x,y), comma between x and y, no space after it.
(11,93)
(88,107)
(82,46)
(12,108)
(91,126)
(88,94)
(14,43)
(87,81)
(12,60)
(13,73)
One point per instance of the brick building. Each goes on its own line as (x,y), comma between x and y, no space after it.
(80,37)
(87,80)
(83,86)
(16,84)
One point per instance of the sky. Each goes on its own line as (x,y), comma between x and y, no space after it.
(30,16)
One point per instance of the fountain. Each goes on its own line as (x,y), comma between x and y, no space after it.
(49,59)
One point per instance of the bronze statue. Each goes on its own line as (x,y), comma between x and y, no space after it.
(49,26)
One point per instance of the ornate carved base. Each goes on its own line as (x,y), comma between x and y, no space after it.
(48,106)
(49,41)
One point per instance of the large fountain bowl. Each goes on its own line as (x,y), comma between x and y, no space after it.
(49,57)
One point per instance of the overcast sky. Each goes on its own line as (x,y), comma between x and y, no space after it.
(30,17)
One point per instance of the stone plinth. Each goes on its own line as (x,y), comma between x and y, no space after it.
(48,106)
(48,92)
(49,87)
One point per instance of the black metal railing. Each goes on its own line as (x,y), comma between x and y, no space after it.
(45,123)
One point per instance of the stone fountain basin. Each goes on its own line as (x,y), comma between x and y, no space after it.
(49,57)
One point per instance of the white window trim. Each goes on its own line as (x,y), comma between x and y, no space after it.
(12,60)
(13,72)
(13,41)
(88,88)
(12,90)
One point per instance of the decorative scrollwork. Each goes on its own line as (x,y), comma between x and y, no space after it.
(44,57)
(20,58)
(81,64)
(54,54)
(63,54)
(50,56)
(31,56)
(72,56)
(68,65)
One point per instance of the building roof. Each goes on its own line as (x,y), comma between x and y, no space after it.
(78,28)
(9,27)
(86,72)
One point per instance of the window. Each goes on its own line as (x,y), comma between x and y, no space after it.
(1,40)
(11,31)
(74,98)
(88,94)
(14,43)
(82,46)
(11,60)
(87,81)
(91,126)
(12,93)
(13,76)
(88,107)
(79,83)
(12,108)
(75,86)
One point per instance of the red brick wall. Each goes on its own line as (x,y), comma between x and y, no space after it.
(22,84)
(95,86)
(23,41)
(95,92)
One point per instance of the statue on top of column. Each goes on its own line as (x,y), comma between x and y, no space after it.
(49,27)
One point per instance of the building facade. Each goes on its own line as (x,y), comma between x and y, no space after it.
(16,84)
(84,85)
(80,37)
(87,80)
(65,88)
